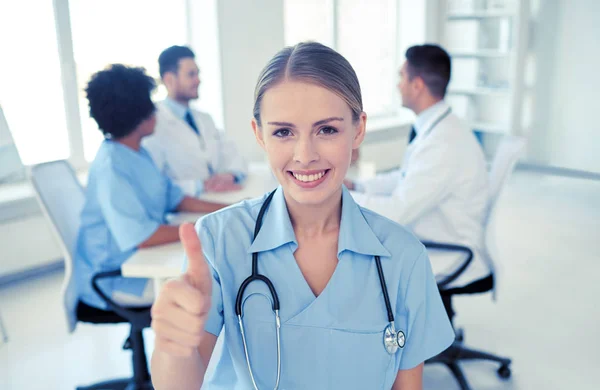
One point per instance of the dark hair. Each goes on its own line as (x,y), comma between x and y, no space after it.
(313,63)
(168,61)
(432,64)
(119,99)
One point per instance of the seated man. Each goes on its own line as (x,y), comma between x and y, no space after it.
(127,197)
(441,190)
(186,145)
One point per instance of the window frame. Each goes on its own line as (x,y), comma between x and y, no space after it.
(66,55)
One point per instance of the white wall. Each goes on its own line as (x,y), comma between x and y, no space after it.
(204,40)
(250,33)
(566,130)
(386,155)
(26,243)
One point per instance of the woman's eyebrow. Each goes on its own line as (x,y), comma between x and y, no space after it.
(317,123)
(286,124)
(327,120)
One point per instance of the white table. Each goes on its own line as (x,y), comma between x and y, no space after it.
(159,263)
(166,261)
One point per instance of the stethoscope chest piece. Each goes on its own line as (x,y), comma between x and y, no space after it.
(400,338)
(393,340)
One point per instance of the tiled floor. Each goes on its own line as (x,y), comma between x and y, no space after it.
(546,317)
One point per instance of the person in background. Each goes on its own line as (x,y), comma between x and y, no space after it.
(127,197)
(186,145)
(441,189)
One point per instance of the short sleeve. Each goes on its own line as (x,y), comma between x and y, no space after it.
(123,210)
(214,322)
(174,194)
(429,331)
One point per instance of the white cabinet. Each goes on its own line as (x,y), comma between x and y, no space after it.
(487,40)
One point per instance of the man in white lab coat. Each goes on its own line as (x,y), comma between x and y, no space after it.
(186,145)
(441,189)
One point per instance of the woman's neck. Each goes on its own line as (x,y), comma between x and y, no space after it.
(316,220)
(132,141)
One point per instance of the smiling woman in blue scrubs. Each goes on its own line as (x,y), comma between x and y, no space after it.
(127,197)
(326,257)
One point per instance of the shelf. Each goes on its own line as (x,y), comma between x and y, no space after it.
(478,15)
(479,54)
(480,91)
(491,127)
(487,41)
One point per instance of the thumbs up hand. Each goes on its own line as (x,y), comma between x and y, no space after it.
(181,308)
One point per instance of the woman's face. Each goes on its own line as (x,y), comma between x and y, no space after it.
(308,134)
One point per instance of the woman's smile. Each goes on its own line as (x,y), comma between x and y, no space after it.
(309,179)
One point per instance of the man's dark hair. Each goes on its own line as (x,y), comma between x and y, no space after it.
(168,61)
(432,64)
(119,99)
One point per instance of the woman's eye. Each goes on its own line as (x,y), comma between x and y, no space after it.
(328,130)
(281,133)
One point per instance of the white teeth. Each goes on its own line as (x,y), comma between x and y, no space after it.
(309,178)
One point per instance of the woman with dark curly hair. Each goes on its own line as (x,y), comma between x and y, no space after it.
(127,197)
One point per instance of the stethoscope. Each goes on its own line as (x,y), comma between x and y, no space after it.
(438,120)
(424,133)
(392,339)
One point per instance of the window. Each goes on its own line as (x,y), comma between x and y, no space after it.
(30,75)
(131,32)
(309,20)
(367,38)
(364,32)
(34,95)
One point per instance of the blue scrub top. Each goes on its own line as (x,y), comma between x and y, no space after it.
(126,201)
(335,340)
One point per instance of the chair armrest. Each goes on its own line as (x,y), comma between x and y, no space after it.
(138,317)
(451,248)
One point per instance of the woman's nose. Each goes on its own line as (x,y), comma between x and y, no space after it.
(305,152)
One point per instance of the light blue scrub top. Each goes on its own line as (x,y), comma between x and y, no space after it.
(335,340)
(126,200)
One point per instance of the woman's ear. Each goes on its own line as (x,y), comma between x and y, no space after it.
(361,128)
(258,134)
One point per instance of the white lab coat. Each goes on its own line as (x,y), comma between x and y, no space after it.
(185,156)
(440,192)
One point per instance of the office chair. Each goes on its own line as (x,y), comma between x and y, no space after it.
(507,155)
(61,198)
